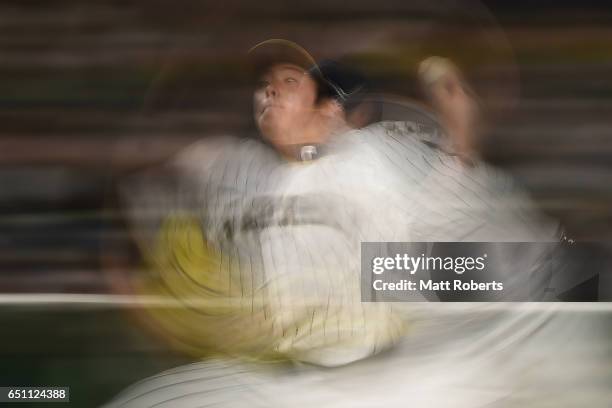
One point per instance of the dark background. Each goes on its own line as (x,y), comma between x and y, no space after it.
(90,90)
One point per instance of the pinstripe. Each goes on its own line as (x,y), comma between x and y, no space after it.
(323,210)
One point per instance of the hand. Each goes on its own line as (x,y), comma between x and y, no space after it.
(453,101)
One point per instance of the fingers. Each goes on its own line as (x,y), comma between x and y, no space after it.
(452,100)
(441,81)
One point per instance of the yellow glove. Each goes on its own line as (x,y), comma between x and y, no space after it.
(210,312)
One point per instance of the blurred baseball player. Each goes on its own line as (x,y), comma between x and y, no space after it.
(261,246)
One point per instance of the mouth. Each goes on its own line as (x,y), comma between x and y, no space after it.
(267,108)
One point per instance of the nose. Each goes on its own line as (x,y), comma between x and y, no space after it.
(271,90)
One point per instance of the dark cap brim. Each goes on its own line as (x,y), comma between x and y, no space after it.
(278,51)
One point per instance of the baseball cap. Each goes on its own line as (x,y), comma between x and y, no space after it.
(335,79)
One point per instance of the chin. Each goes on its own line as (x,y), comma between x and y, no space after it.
(270,130)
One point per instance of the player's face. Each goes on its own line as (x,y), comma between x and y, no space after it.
(284,103)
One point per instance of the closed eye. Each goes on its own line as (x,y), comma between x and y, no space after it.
(262,84)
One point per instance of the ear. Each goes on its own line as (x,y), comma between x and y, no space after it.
(332,108)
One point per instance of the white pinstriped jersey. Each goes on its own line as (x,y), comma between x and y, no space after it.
(456,357)
(289,233)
